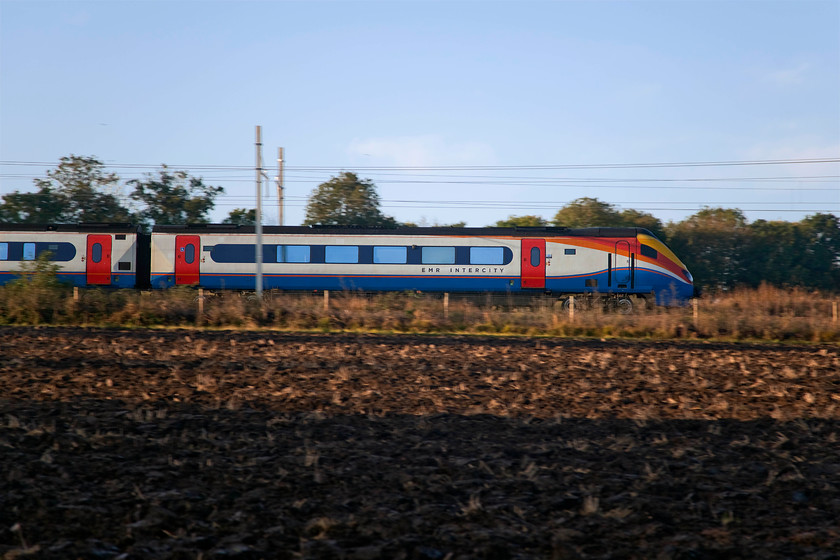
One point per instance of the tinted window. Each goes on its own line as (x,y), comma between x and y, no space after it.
(649,251)
(293,254)
(487,255)
(96,252)
(389,255)
(4,251)
(570,251)
(535,256)
(341,254)
(438,255)
(29,251)
(189,253)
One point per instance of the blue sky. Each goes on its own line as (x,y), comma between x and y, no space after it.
(541,102)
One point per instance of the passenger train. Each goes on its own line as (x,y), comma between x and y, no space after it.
(621,265)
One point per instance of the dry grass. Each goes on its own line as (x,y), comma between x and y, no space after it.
(765,313)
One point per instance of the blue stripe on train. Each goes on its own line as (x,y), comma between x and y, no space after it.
(118,279)
(667,289)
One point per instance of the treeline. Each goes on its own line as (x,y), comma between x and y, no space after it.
(718,245)
(80,190)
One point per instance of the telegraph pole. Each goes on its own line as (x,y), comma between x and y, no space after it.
(259,247)
(280,185)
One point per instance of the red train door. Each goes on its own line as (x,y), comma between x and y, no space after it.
(98,261)
(533,263)
(186,259)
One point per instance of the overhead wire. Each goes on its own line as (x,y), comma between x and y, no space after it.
(455,175)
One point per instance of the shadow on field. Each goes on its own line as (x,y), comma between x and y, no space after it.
(108,479)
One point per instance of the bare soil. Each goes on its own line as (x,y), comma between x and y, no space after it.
(190,444)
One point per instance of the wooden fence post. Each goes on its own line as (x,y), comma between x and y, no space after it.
(695,304)
(446,305)
(834,312)
(572,309)
(326,300)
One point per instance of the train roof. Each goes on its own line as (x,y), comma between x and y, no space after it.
(547,231)
(102,227)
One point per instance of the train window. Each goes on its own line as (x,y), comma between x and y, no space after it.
(4,251)
(293,254)
(390,255)
(648,251)
(29,251)
(124,265)
(570,251)
(438,255)
(535,256)
(96,252)
(189,253)
(341,254)
(487,255)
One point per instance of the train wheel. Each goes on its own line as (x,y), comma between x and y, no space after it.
(563,305)
(624,305)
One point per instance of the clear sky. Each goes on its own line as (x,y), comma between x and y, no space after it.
(457,110)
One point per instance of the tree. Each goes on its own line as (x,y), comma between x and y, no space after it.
(521,221)
(242,217)
(174,198)
(634,218)
(714,244)
(346,201)
(78,190)
(821,255)
(587,212)
(774,254)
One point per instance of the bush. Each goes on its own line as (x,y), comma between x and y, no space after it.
(37,296)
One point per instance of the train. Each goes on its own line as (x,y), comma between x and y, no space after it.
(623,267)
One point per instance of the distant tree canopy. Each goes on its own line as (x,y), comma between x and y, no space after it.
(521,221)
(713,245)
(173,197)
(242,217)
(591,212)
(78,190)
(346,200)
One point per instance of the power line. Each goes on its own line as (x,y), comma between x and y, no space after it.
(464,167)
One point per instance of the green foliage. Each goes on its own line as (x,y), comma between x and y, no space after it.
(78,190)
(174,198)
(346,200)
(521,221)
(714,244)
(587,212)
(242,217)
(591,212)
(36,296)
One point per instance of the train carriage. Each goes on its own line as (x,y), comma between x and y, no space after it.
(103,255)
(607,262)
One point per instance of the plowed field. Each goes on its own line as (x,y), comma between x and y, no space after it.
(189,444)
